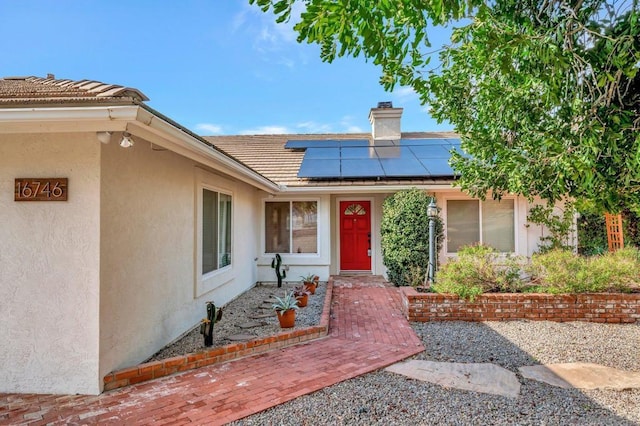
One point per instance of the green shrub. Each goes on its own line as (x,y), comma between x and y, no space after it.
(616,271)
(479,269)
(557,271)
(404,230)
(561,271)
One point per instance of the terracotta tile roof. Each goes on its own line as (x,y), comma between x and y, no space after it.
(267,155)
(36,90)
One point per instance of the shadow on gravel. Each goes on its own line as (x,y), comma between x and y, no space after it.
(384,398)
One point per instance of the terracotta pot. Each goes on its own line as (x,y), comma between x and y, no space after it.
(310,287)
(302,300)
(287,318)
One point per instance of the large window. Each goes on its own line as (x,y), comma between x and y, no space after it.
(291,227)
(216,230)
(488,222)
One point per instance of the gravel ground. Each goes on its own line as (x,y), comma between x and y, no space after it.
(382,398)
(236,314)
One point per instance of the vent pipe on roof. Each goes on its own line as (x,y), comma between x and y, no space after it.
(385,121)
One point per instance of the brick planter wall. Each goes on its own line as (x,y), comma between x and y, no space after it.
(153,370)
(593,307)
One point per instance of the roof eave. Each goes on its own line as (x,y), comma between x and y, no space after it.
(373,188)
(138,121)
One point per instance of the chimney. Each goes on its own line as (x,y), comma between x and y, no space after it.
(50,76)
(385,121)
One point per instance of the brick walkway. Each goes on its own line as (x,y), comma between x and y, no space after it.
(366,332)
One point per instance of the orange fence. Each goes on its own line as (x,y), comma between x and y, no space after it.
(614,231)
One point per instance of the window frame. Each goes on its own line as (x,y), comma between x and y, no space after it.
(218,229)
(290,226)
(481,225)
(208,281)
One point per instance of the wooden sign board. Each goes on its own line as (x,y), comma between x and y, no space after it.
(41,189)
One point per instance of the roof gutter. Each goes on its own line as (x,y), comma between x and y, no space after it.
(365,189)
(140,121)
(184,142)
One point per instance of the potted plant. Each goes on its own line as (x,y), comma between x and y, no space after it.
(309,283)
(302,295)
(285,308)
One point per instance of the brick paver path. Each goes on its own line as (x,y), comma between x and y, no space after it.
(366,332)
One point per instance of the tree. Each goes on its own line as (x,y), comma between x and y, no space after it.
(543,93)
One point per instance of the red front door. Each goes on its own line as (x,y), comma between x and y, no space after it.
(355,236)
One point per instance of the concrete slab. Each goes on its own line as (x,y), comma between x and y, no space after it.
(251,324)
(485,377)
(582,375)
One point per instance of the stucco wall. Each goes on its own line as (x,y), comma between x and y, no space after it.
(49,267)
(149,293)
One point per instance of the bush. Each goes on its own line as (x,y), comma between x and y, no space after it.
(557,271)
(561,271)
(480,269)
(404,230)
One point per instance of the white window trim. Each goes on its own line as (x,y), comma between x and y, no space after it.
(205,283)
(290,200)
(463,198)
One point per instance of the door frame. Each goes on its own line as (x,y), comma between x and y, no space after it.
(374,236)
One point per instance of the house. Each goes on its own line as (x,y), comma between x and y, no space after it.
(118,224)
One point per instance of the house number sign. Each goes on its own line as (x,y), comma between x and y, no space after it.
(41,189)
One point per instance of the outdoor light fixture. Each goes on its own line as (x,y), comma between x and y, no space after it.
(126,141)
(432,209)
(104,137)
(432,212)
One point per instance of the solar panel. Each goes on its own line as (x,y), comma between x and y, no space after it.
(404,166)
(322,153)
(360,152)
(359,158)
(361,168)
(431,151)
(319,169)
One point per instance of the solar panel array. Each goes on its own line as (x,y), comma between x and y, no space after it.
(360,158)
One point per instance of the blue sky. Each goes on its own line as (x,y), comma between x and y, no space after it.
(216,67)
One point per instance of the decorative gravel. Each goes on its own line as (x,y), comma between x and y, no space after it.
(383,398)
(237,313)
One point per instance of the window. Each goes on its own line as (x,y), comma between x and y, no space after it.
(488,222)
(216,230)
(291,227)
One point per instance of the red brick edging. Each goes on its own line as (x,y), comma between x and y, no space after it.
(592,307)
(153,370)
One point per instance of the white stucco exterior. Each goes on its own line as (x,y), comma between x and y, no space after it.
(103,280)
(50,267)
(152,290)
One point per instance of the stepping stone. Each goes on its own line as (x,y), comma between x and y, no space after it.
(251,324)
(582,375)
(485,377)
(241,337)
(259,316)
